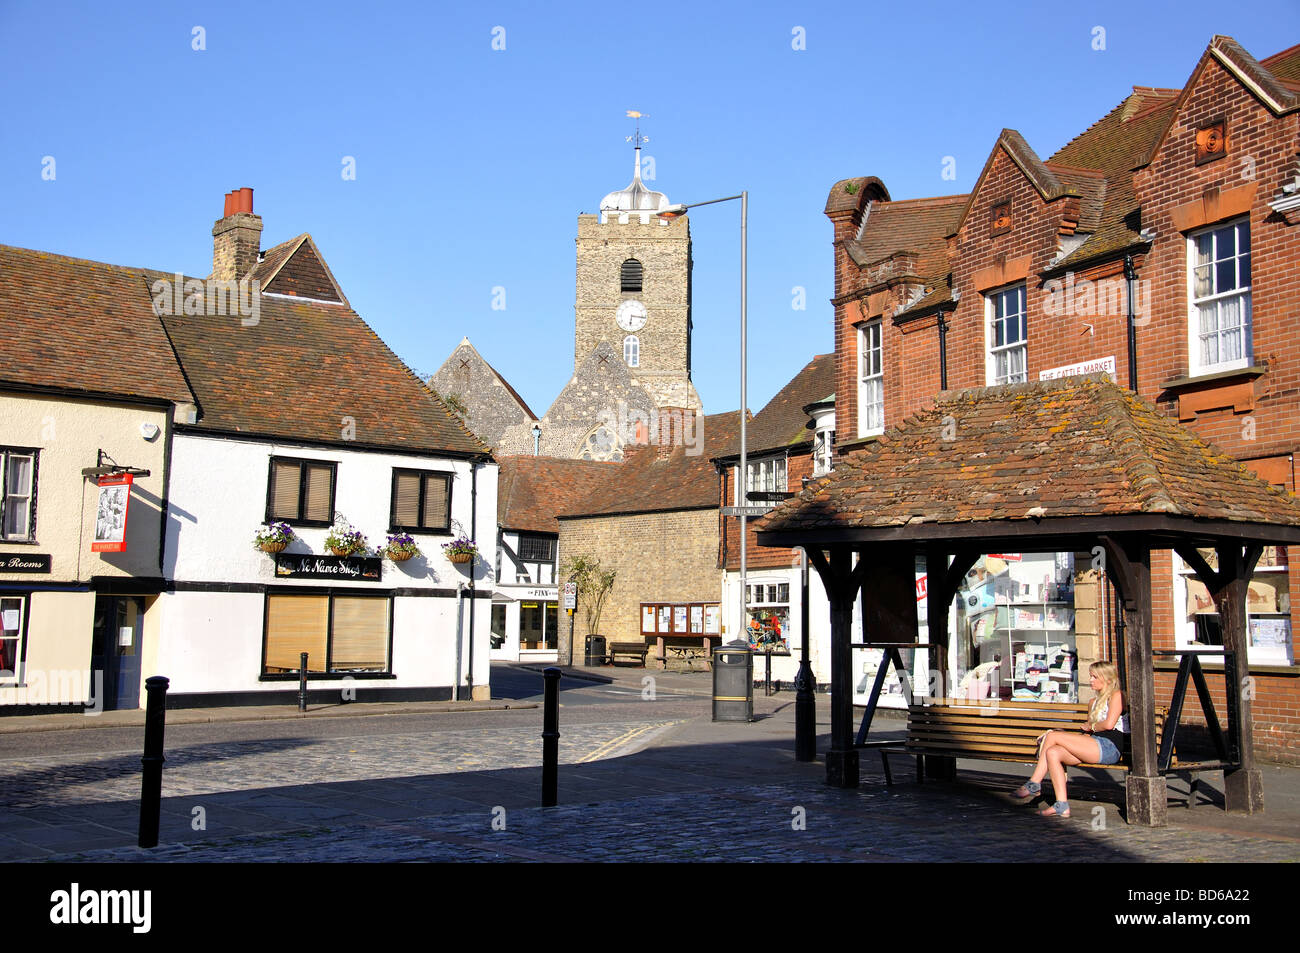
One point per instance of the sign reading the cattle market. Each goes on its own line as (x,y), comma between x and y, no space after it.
(309,566)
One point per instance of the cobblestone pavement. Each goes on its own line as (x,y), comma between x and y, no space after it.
(51,803)
(788,821)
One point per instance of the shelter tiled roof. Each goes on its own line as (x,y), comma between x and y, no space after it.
(531,490)
(1007,455)
(83,325)
(679,478)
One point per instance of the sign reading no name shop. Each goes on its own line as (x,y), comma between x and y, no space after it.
(24,562)
(308,566)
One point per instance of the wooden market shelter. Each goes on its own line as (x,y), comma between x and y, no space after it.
(1078,464)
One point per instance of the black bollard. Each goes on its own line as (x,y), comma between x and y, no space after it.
(551,738)
(155,720)
(805,701)
(302,682)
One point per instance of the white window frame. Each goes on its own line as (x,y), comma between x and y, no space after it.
(1185,628)
(823,451)
(992,349)
(1195,356)
(871,378)
(632,351)
(767,474)
(765,593)
(6,455)
(13,676)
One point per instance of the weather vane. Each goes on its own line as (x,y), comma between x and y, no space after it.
(636,139)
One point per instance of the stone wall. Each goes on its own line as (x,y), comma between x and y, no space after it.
(492,408)
(659,557)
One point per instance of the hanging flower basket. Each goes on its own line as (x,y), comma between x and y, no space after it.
(462,549)
(343,540)
(340,552)
(401,547)
(274,538)
(399,556)
(461,557)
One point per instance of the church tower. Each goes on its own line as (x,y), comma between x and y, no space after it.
(634,291)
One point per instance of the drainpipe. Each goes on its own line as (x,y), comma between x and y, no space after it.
(460,639)
(943,353)
(1130,276)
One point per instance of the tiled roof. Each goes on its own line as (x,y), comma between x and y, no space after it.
(647,482)
(1284,65)
(310,371)
(274,258)
(83,325)
(919,225)
(782,422)
(531,490)
(1010,454)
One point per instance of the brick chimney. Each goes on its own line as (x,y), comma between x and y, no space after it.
(236,237)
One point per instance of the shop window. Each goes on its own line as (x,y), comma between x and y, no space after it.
(1268,608)
(539,625)
(301,492)
(498,627)
(769,612)
(1008,331)
(1016,626)
(871,373)
(632,351)
(341,634)
(13,621)
(18,492)
(421,502)
(1220,331)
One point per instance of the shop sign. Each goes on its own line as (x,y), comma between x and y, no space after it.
(542,593)
(25,562)
(308,566)
(110,514)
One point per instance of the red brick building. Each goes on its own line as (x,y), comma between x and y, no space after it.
(1024,279)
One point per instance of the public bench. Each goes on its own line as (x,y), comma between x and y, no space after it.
(996,730)
(638,650)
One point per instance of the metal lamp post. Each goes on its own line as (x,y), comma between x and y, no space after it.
(674,211)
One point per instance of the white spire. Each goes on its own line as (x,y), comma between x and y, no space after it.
(635,198)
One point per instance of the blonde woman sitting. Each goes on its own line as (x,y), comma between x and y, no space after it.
(1101,742)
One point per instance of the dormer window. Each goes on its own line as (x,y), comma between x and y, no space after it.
(630,275)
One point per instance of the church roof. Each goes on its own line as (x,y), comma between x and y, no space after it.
(635,197)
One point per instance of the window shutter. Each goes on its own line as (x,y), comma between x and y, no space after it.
(406,499)
(318,493)
(284,490)
(296,624)
(360,634)
(435,502)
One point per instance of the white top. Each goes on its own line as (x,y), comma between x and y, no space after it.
(1121,725)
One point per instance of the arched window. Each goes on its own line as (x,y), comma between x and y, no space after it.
(632,351)
(630,275)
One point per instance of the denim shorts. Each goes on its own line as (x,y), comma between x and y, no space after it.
(1109,753)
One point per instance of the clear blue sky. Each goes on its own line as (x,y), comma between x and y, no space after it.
(472,164)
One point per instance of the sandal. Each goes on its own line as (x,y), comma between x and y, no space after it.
(1059,809)
(1027,790)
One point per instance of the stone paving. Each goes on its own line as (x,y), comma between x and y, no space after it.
(654,789)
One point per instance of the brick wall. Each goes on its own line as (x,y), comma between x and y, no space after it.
(798,466)
(659,557)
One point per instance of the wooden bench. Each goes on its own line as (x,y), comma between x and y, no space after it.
(1001,730)
(637,649)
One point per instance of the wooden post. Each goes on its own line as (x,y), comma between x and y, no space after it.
(1129,567)
(841,582)
(1243,787)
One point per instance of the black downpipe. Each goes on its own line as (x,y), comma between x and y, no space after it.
(943,353)
(1130,276)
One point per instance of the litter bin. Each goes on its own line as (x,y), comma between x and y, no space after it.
(595,650)
(733,682)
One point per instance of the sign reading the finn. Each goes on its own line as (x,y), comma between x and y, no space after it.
(1103,365)
(25,562)
(309,566)
(110,514)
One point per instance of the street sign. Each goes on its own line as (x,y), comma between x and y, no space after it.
(745,510)
(570,595)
